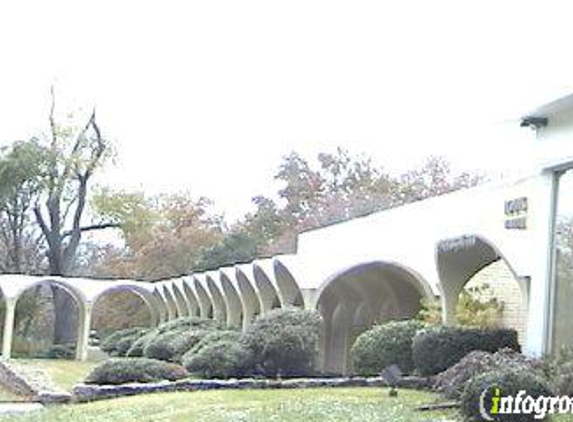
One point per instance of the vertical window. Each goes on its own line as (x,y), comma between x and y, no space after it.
(563,271)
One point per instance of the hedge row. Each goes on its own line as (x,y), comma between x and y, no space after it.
(436,349)
(413,346)
(283,342)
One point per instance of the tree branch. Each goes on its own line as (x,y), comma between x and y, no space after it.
(93,227)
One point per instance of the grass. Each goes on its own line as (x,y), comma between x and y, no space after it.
(63,373)
(311,405)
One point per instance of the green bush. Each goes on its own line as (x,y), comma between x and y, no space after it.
(559,371)
(385,345)
(183,324)
(222,358)
(172,345)
(215,337)
(436,349)
(284,341)
(58,351)
(136,350)
(476,307)
(509,382)
(119,342)
(128,370)
(451,382)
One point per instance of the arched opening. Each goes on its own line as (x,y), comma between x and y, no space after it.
(171,305)
(119,308)
(290,292)
(161,306)
(251,302)
(473,266)
(356,298)
(233,300)
(220,308)
(267,292)
(205,304)
(180,301)
(35,316)
(191,299)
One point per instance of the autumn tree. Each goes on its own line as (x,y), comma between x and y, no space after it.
(21,172)
(339,187)
(164,235)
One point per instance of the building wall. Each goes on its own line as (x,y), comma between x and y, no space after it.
(505,288)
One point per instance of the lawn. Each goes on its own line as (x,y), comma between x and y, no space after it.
(345,404)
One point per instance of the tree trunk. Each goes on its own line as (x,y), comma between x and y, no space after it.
(66,317)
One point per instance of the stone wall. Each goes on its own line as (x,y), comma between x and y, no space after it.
(33,385)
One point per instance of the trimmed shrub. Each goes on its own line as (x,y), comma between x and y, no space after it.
(385,345)
(223,358)
(119,342)
(509,382)
(58,351)
(559,371)
(136,350)
(128,370)
(435,350)
(284,341)
(451,383)
(562,382)
(172,345)
(184,324)
(215,337)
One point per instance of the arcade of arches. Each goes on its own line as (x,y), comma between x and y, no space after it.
(351,301)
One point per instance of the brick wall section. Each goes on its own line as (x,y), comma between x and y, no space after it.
(506,289)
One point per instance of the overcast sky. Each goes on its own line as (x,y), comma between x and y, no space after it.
(208,95)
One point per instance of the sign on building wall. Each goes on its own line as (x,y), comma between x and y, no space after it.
(516,213)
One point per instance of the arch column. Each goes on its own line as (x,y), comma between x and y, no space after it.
(84,326)
(449,303)
(8,328)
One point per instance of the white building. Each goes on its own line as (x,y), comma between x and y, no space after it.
(378,267)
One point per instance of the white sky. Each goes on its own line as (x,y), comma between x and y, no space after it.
(208,95)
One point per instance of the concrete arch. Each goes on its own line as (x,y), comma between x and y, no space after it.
(268,294)
(170,302)
(162,310)
(287,285)
(219,305)
(232,299)
(81,307)
(357,297)
(458,260)
(148,298)
(180,300)
(205,302)
(192,300)
(251,301)
(62,283)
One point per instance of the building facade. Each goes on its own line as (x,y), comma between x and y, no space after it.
(378,267)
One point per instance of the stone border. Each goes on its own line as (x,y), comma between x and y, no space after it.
(90,392)
(33,385)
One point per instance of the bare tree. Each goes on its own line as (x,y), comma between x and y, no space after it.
(72,159)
